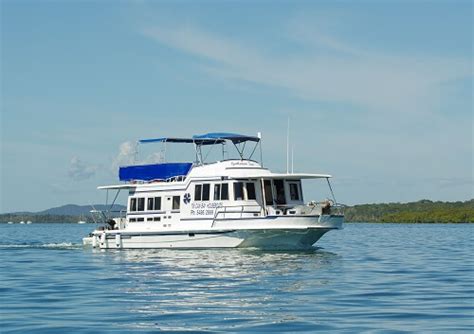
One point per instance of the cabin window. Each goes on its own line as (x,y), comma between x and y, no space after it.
(202,192)
(225,191)
(206,190)
(198,192)
(217,192)
(176,201)
(154,203)
(238,191)
(156,219)
(131,220)
(157,203)
(133,204)
(267,184)
(251,190)
(221,192)
(294,192)
(149,219)
(140,219)
(141,204)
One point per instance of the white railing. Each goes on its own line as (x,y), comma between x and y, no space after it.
(240,210)
(312,208)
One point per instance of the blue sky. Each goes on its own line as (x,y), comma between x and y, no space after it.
(379,93)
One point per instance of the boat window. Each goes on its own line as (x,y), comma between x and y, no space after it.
(141,204)
(157,219)
(149,219)
(280,192)
(206,190)
(225,191)
(157,203)
(250,190)
(267,184)
(176,201)
(217,192)
(154,203)
(221,192)
(238,191)
(294,192)
(197,192)
(133,204)
(140,219)
(131,220)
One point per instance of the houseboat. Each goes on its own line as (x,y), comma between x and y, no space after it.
(228,203)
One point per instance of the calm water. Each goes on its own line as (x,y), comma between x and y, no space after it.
(371,278)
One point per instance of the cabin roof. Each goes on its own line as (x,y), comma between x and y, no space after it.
(289,176)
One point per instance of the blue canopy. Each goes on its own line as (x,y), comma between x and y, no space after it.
(234,137)
(154,172)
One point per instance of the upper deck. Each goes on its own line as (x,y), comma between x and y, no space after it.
(172,173)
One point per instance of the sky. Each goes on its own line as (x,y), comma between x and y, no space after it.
(379,93)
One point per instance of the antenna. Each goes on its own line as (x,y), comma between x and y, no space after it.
(288,146)
(292,152)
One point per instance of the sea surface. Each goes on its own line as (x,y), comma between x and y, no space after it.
(387,278)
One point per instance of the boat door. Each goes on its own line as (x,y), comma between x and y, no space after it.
(274,195)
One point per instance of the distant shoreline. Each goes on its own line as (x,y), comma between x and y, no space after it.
(421,212)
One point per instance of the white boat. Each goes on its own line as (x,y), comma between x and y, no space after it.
(22,222)
(10,223)
(29,222)
(223,204)
(81,222)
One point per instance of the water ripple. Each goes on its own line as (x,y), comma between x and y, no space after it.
(367,278)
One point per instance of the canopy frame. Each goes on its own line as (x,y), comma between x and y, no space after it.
(213,138)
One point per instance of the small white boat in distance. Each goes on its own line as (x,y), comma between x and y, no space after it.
(29,222)
(81,222)
(22,222)
(223,204)
(10,223)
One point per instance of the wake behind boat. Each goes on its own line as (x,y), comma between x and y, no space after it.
(224,204)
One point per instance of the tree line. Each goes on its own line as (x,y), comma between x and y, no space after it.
(424,211)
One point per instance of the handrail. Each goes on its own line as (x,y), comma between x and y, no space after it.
(241,206)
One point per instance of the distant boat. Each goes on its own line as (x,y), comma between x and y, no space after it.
(22,222)
(82,220)
(29,222)
(10,223)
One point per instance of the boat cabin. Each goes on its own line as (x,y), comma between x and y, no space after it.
(169,192)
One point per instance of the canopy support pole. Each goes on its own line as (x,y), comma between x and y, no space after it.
(253,151)
(115,198)
(332,193)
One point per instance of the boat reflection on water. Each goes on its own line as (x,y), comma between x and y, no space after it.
(228,286)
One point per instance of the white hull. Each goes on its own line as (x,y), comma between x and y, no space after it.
(294,234)
(265,239)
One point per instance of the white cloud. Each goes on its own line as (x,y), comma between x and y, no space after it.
(79,171)
(126,155)
(343,74)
